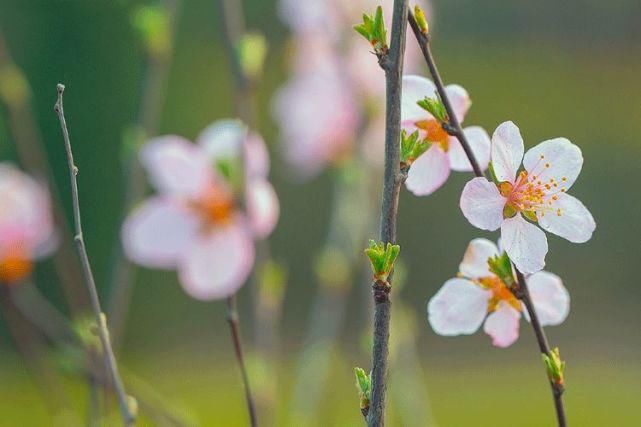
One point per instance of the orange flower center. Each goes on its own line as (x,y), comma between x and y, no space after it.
(215,206)
(14,266)
(500,292)
(435,132)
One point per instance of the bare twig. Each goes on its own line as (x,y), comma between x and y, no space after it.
(454,128)
(392,63)
(110,361)
(15,94)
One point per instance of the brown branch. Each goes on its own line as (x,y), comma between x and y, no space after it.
(392,63)
(454,128)
(110,361)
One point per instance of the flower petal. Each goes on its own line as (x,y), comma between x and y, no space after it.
(460,100)
(556,159)
(218,263)
(223,139)
(550,298)
(569,219)
(262,207)
(459,307)
(415,88)
(256,156)
(507,151)
(503,325)
(428,172)
(479,141)
(176,166)
(482,204)
(157,233)
(474,264)
(525,244)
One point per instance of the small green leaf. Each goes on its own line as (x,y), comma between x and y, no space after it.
(373,29)
(435,107)
(501,266)
(364,386)
(412,147)
(419,15)
(554,366)
(382,258)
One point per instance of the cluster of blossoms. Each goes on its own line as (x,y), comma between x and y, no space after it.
(516,200)
(213,201)
(27,232)
(331,105)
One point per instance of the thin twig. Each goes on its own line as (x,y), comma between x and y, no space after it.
(454,128)
(110,361)
(232,318)
(392,63)
(233,28)
(523,294)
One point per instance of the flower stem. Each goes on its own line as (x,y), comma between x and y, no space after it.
(454,128)
(128,416)
(557,389)
(392,63)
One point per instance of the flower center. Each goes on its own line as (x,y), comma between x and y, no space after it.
(531,194)
(435,132)
(14,266)
(500,292)
(215,205)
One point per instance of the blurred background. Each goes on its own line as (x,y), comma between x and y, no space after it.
(557,69)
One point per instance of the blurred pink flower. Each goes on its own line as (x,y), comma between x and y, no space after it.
(26,224)
(430,171)
(478,295)
(538,192)
(195,224)
(336,90)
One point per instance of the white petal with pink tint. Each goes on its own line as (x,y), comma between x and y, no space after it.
(550,298)
(556,159)
(479,141)
(25,209)
(158,233)
(525,244)
(482,204)
(428,172)
(176,166)
(568,218)
(459,307)
(474,264)
(256,156)
(223,139)
(460,100)
(262,207)
(507,151)
(218,263)
(503,325)
(415,88)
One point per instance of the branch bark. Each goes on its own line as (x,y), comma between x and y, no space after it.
(454,128)
(392,63)
(110,361)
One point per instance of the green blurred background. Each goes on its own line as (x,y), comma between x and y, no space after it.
(570,69)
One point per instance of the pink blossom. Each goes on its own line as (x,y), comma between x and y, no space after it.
(26,224)
(430,171)
(538,193)
(477,296)
(194,223)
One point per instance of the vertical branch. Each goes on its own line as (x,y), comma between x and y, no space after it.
(233,28)
(110,361)
(15,94)
(453,127)
(523,294)
(149,110)
(392,63)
